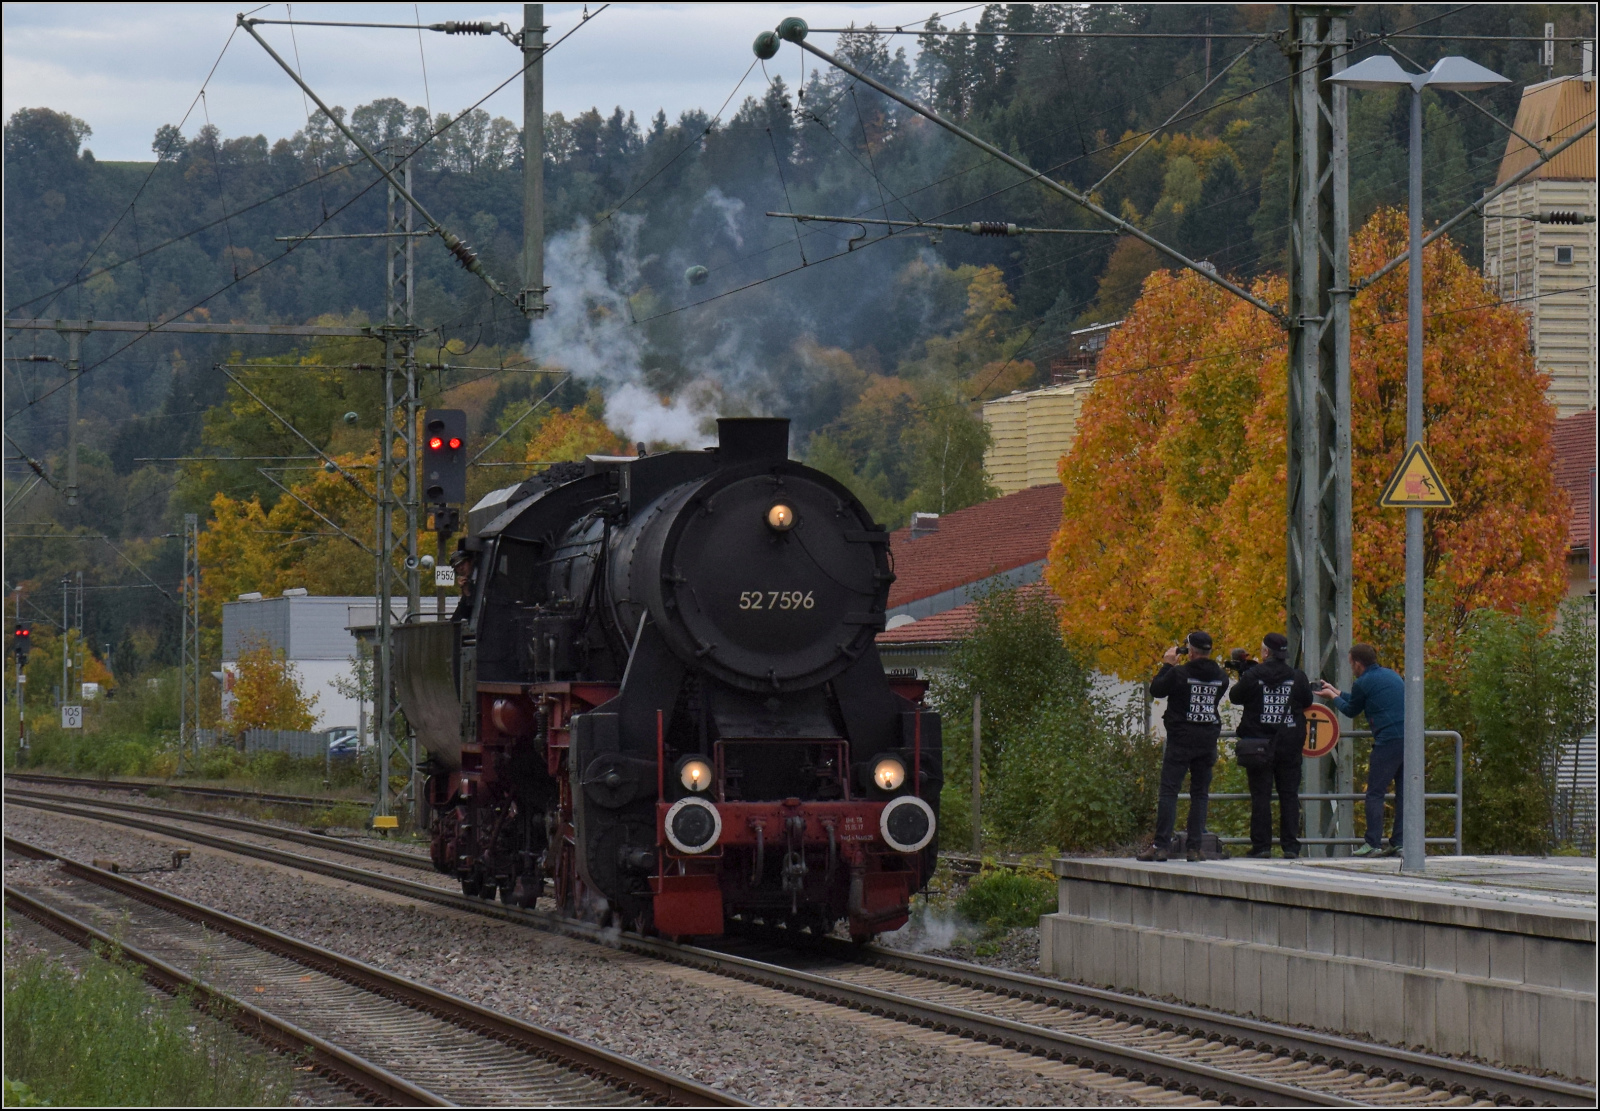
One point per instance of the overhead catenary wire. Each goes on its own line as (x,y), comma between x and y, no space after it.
(452,242)
(989,157)
(154,166)
(1374,40)
(433,135)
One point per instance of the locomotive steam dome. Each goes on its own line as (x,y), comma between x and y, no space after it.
(767,573)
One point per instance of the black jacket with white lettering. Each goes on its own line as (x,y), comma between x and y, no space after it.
(1274,696)
(1193,691)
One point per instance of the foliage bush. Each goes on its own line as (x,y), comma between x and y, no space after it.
(268,694)
(1061,766)
(1003,898)
(1530,691)
(101,1038)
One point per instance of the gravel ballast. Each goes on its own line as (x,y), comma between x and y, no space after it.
(757,1043)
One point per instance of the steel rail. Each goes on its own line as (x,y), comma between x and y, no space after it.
(244,825)
(1480,1081)
(343,1067)
(1395,1064)
(182,789)
(567,1052)
(1145,1066)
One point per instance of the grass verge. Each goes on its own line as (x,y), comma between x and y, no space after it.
(99,1037)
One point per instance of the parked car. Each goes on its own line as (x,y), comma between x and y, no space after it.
(344,742)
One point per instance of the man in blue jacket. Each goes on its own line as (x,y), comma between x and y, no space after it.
(1381,695)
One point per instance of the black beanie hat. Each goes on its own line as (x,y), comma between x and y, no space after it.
(1200,639)
(1277,644)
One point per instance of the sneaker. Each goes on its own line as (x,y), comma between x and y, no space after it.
(1392,850)
(1154,853)
(1366,849)
(1258,854)
(1194,856)
(1291,856)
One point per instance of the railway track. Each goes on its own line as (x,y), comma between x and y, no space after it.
(227,793)
(1170,1046)
(962,864)
(381,1035)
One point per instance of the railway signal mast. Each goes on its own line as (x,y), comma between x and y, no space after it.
(21,644)
(400,334)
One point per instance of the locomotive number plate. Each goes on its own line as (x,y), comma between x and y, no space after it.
(776,600)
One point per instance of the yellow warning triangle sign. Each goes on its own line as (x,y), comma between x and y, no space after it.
(1416,484)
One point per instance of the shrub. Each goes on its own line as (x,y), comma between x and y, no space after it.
(101,1038)
(1004,899)
(1530,690)
(1061,768)
(268,695)
(1070,781)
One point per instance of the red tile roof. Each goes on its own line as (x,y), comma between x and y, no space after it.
(942,628)
(1575,448)
(974,543)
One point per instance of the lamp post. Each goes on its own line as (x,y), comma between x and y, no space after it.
(1459,74)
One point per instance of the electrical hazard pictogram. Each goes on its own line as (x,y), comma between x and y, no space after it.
(1416,484)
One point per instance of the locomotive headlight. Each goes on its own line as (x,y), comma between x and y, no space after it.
(888,774)
(694,774)
(780,518)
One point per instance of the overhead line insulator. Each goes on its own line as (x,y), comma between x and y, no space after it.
(460,27)
(992,227)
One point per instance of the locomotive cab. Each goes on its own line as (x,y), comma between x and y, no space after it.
(669,702)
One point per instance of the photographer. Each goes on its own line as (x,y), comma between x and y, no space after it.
(1381,695)
(1193,690)
(1271,739)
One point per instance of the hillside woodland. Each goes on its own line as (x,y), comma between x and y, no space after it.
(878,346)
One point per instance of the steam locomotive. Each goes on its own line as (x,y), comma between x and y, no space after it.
(660,696)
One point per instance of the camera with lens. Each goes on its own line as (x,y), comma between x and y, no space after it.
(1239,661)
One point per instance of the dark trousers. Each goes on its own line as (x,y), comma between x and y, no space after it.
(1286,777)
(1175,764)
(1386,767)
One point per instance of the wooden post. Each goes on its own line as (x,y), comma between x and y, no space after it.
(977,762)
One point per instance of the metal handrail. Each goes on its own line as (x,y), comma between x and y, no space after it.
(1455,797)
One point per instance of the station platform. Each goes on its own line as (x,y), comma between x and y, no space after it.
(1488,956)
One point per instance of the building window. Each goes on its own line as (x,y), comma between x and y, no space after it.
(1563,256)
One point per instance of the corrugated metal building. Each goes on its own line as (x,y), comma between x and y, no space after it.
(314,635)
(1549,269)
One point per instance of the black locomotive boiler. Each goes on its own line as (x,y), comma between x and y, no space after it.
(660,694)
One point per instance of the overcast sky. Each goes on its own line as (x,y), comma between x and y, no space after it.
(129,68)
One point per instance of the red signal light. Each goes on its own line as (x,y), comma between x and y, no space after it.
(454,443)
(435,443)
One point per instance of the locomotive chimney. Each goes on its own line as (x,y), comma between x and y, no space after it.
(752,440)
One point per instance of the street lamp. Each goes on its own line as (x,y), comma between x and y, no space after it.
(1460,75)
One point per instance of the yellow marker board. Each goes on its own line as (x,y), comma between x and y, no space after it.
(1416,484)
(385,821)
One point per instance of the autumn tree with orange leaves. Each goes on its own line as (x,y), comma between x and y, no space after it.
(1175,502)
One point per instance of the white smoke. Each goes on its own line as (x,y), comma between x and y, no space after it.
(930,929)
(589,331)
(731,208)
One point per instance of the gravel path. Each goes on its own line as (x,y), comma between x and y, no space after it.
(760,1044)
